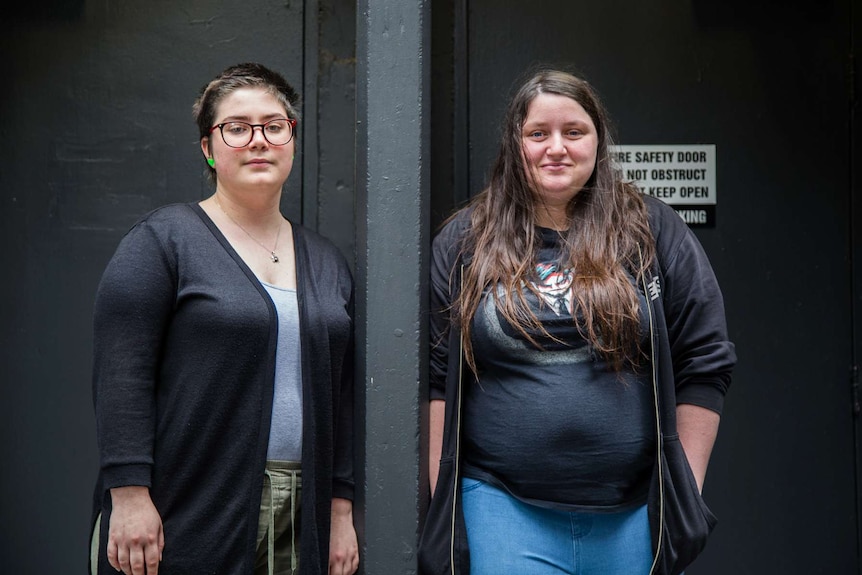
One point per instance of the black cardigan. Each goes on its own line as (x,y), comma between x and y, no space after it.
(183,376)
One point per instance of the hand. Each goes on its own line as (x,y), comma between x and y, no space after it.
(436,418)
(343,548)
(135,535)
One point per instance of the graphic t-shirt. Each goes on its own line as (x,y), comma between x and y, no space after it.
(555,425)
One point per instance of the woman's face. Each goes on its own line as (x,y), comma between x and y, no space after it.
(259,163)
(560,143)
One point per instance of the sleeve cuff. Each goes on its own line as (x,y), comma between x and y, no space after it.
(702,395)
(342,489)
(125,475)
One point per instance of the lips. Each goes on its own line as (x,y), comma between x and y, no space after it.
(258,162)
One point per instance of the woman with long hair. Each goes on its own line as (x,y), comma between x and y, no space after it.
(567,309)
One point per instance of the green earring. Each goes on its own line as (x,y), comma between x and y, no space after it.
(211,162)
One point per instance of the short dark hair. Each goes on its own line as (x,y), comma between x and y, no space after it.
(242,76)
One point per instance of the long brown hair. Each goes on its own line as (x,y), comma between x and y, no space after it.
(608,236)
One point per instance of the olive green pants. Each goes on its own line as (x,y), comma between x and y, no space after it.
(278,526)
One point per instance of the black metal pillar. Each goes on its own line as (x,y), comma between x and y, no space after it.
(392,191)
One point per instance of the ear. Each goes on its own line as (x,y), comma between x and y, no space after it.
(205,147)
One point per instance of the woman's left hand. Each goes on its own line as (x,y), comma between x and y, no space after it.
(343,548)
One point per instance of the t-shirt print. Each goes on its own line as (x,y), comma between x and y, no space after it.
(555,285)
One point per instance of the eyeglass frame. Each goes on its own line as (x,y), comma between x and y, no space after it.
(290,122)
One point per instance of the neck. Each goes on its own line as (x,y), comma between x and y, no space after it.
(552,217)
(253,208)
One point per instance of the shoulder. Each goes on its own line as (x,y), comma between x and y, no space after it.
(453,232)
(158,228)
(147,256)
(662,218)
(164,222)
(680,256)
(169,215)
(671,233)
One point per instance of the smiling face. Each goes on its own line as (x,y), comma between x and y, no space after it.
(259,163)
(560,144)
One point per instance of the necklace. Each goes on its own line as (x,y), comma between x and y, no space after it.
(272,255)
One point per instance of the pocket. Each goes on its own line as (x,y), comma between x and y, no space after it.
(688,521)
(435,542)
(438,553)
(679,461)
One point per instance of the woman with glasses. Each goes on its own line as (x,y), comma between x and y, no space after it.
(223,370)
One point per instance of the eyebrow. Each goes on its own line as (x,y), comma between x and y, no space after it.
(247,119)
(545,123)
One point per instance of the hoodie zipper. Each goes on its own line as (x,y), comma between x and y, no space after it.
(659,443)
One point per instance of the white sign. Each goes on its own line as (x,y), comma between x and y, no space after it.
(676,174)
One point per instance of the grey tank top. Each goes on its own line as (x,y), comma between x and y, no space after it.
(285,435)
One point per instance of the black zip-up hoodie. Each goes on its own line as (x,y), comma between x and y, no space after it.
(693,361)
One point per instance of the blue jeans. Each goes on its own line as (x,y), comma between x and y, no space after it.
(506,535)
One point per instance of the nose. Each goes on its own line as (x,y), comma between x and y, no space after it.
(257,137)
(555,144)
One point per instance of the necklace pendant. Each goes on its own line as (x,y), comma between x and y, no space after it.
(273,257)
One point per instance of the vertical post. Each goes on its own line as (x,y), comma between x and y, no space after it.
(392,191)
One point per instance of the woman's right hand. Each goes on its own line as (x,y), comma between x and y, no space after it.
(437,415)
(135,535)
